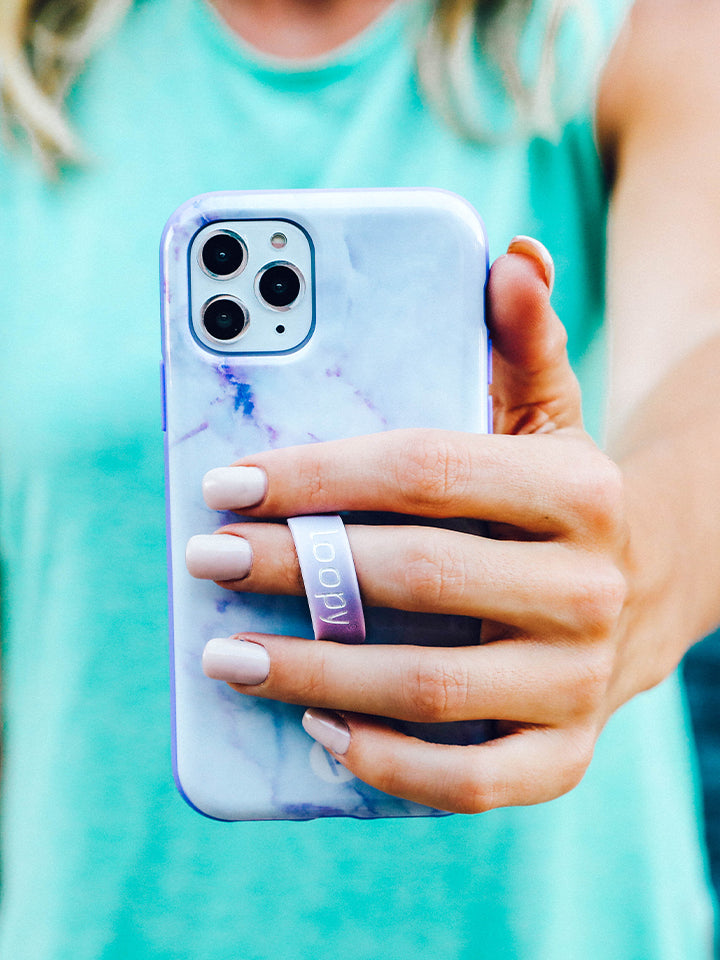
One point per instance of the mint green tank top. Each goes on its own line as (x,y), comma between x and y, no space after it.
(101,857)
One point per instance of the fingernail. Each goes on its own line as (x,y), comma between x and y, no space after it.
(237,661)
(218,556)
(226,488)
(329,729)
(539,253)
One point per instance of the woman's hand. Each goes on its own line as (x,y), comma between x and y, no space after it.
(549,582)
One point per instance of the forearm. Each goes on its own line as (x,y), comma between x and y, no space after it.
(669,453)
(659,129)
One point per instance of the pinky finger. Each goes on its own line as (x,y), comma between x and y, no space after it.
(531,766)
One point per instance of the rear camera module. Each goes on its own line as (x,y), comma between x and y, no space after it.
(225,319)
(279,285)
(223,255)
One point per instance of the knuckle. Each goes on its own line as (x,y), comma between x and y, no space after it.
(588,682)
(289,570)
(435,692)
(309,686)
(432,576)
(387,775)
(578,753)
(309,480)
(598,494)
(609,496)
(597,597)
(474,793)
(613,484)
(430,470)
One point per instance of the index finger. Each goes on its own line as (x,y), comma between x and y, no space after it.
(528,481)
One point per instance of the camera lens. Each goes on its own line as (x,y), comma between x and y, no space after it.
(223,255)
(224,318)
(280,286)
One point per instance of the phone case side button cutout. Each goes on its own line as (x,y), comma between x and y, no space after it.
(163,397)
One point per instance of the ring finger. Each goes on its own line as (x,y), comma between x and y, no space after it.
(523,682)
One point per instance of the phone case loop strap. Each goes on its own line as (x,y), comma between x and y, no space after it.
(329,577)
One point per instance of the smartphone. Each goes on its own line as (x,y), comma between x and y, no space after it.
(294,317)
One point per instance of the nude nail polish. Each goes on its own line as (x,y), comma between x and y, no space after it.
(329,729)
(219,556)
(531,247)
(235,661)
(230,488)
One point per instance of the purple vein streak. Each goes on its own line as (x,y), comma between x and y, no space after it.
(192,433)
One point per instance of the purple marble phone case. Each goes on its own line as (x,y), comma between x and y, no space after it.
(396,338)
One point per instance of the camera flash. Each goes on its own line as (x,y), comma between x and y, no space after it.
(278,240)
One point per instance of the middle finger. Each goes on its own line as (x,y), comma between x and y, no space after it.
(536,587)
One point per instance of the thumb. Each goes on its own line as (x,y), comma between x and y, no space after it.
(534,388)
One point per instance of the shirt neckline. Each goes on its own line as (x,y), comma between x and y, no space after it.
(384,32)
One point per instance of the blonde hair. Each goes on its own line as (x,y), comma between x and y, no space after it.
(448,68)
(44,45)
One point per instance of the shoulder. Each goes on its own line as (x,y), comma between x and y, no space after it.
(663,73)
